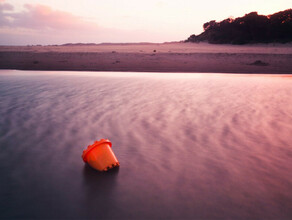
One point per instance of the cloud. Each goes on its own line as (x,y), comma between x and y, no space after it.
(41,24)
(6,7)
(42,17)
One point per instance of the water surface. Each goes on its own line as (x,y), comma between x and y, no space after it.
(199,146)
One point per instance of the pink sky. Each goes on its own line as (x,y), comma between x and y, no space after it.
(55,22)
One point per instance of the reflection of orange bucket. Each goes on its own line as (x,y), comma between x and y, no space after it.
(100,155)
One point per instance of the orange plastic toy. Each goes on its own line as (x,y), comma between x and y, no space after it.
(100,155)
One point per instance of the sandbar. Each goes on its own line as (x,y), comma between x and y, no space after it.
(151,57)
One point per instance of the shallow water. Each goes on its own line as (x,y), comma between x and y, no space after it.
(199,146)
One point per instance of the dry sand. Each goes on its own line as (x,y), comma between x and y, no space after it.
(147,57)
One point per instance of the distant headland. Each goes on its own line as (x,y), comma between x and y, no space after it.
(251,28)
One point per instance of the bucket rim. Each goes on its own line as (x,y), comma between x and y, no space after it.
(94,145)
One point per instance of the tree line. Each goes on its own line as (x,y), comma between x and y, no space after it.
(251,28)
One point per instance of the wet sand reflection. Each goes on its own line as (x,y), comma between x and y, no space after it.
(100,189)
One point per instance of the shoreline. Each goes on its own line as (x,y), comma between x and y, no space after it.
(167,57)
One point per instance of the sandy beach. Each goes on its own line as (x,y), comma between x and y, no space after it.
(148,57)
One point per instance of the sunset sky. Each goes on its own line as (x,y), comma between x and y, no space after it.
(25,22)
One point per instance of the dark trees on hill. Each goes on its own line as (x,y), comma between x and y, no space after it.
(252,28)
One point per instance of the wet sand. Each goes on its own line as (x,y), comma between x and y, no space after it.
(146,57)
(191,146)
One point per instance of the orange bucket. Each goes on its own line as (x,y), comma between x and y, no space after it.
(100,155)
